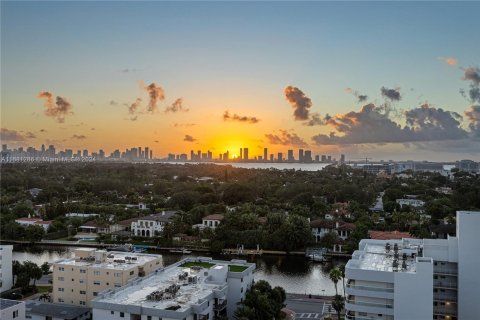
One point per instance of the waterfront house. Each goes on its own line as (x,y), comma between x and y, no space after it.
(151,225)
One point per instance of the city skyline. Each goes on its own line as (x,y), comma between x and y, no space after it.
(383,80)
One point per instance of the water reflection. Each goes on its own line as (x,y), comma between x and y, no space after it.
(294,273)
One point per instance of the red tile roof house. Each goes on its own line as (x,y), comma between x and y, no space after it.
(35,221)
(321,227)
(212,221)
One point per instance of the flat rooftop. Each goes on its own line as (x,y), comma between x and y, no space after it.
(112,259)
(6,303)
(180,274)
(375,256)
(55,310)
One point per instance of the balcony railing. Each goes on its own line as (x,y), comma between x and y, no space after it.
(444,284)
(369,288)
(370,304)
(443,311)
(450,272)
(353,317)
(220,305)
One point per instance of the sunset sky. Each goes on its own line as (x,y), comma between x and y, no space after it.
(390,80)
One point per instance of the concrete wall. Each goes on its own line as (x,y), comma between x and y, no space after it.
(19,309)
(413,293)
(6,268)
(468,226)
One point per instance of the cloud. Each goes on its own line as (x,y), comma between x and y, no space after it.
(299,102)
(371,125)
(472,74)
(43,130)
(58,110)
(473,116)
(7,135)
(133,118)
(176,106)
(360,97)
(392,94)
(79,137)
(30,135)
(134,106)
(316,120)
(286,138)
(156,94)
(184,124)
(92,129)
(235,117)
(189,138)
(449,60)
(113,103)
(127,70)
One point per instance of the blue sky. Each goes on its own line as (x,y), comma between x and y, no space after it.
(236,55)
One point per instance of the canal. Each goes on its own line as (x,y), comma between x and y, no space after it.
(294,273)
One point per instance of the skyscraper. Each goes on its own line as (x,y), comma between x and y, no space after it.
(265,154)
(147,153)
(245,153)
(300,155)
(280,157)
(241,154)
(290,156)
(308,156)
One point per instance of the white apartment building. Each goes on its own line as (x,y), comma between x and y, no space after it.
(6,275)
(192,289)
(152,225)
(417,279)
(34,221)
(414,203)
(12,309)
(78,280)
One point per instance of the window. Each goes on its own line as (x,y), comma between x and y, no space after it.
(132,272)
(97,283)
(82,303)
(61,289)
(61,300)
(83,270)
(15,314)
(83,292)
(112,312)
(241,290)
(122,315)
(241,280)
(61,269)
(97,273)
(81,280)
(61,278)
(117,285)
(117,274)
(149,317)
(95,294)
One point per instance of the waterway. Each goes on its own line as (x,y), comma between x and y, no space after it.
(266,165)
(294,273)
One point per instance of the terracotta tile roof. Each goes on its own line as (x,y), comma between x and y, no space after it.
(389,235)
(127,222)
(214,217)
(320,223)
(346,226)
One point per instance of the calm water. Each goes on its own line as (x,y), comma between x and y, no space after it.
(262,165)
(294,273)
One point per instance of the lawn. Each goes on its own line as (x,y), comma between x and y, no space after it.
(44,289)
(205,265)
(234,268)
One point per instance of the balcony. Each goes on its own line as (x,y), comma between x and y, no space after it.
(369,288)
(370,304)
(444,284)
(442,311)
(353,317)
(219,306)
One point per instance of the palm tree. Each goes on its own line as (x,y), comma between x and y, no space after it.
(335,275)
(341,267)
(338,303)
